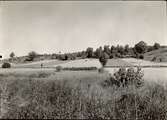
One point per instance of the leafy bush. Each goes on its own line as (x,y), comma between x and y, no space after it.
(6,65)
(59,68)
(141,56)
(103,59)
(32,55)
(101,70)
(154,58)
(127,77)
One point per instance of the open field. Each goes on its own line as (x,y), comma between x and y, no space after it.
(139,62)
(46,63)
(127,62)
(82,63)
(117,63)
(158,75)
(54,63)
(157,54)
(152,71)
(44,93)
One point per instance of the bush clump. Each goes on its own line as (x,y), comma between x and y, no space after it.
(59,68)
(6,65)
(124,77)
(141,56)
(101,70)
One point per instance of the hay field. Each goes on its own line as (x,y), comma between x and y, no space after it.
(117,63)
(82,63)
(139,62)
(151,74)
(46,63)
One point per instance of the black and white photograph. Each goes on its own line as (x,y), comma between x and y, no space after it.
(83,60)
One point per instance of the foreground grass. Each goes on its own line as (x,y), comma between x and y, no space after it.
(76,94)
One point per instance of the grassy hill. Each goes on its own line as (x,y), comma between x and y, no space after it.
(159,55)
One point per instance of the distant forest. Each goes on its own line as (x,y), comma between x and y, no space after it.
(107,52)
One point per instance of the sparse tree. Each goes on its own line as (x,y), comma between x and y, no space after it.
(103,59)
(126,49)
(98,52)
(32,55)
(89,52)
(12,55)
(107,50)
(141,47)
(156,46)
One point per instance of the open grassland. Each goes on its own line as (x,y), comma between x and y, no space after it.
(156,55)
(158,75)
(117,63)
(46,63)
(128,62)
(82,63)
(66,64)
(77,94)
(139,62)
(90,63)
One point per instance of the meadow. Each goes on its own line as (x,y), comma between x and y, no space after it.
(30,93)
(77,94)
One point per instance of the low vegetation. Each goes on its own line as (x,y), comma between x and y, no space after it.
(6,65)
(49,97)
(126,77)
(80,68)
(59,68)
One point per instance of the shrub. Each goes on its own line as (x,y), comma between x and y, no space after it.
(32,55)
(154,58)
(141,56)
(43,75)
(103,59)
(101,70)
(6,65)
(127,77)
(59,68)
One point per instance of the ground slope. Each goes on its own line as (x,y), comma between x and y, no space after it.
(159,55)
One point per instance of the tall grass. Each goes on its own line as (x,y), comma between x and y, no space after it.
(31,98)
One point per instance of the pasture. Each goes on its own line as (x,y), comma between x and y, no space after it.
(82,63)
(34,92)
(153,72)
(46,63)
(45,93)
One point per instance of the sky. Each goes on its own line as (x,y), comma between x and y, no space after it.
(69,26)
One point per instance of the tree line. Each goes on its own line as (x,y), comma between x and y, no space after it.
(105,52)
(110,52)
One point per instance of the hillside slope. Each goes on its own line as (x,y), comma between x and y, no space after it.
(159,55)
